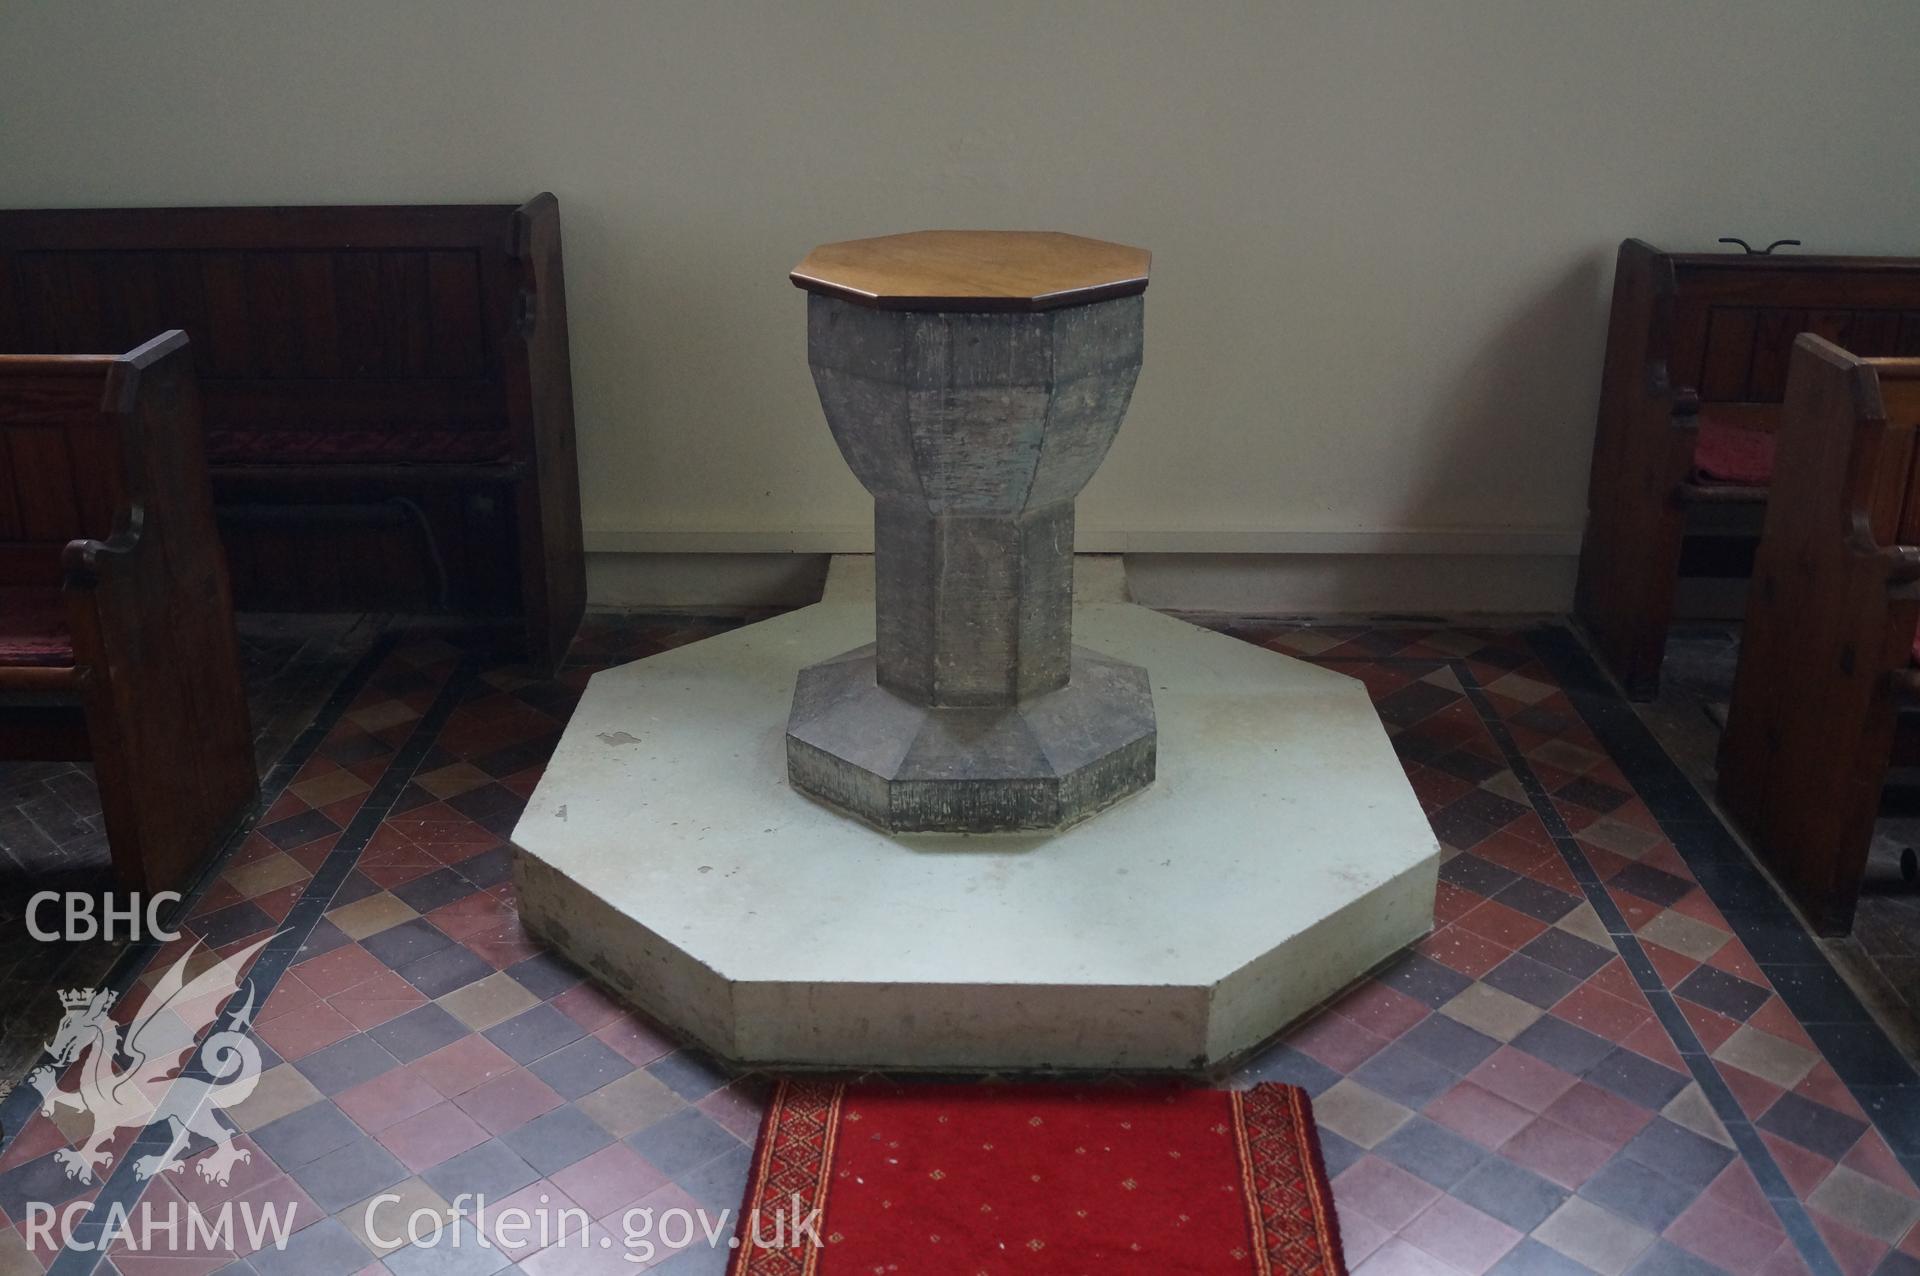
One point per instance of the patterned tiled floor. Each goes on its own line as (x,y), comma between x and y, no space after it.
(1881,955)
(51,836)
(1617,1053)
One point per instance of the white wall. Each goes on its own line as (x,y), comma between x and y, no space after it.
(1383,232)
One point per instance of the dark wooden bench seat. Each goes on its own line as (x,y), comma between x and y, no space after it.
(1733,449)
(116,621)
(1697,352)
(387,391)
(1827,655)
(33,628)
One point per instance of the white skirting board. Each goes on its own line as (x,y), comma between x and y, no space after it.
(1291,584)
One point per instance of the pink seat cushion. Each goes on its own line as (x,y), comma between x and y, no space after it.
(343,447)
(33,627)
(1726,452)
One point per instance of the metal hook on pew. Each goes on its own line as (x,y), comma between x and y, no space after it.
(1751,251)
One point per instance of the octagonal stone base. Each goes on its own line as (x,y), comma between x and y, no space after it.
(1045,763)
(1278,855)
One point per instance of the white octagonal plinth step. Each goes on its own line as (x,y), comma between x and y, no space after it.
(1279,854)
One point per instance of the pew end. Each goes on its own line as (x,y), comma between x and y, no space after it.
(1828,651)
(1698,346)
(117,641)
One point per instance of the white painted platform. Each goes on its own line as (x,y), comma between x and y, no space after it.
(1278,855)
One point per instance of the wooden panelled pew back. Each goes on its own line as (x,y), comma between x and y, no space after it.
(1827,653)
(387,390)
(1693,337)
(116,622)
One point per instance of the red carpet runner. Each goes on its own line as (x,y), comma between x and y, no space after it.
(1048,1180)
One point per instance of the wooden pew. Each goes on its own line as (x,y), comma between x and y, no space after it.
(388,398)
(1697,353)
(116,624)
(1828,651)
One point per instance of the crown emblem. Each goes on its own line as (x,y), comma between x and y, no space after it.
(81,998)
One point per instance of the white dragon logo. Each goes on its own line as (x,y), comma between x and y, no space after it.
(155,1085)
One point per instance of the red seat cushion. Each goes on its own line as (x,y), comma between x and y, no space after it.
(1728,452)
(33,627)
(345,447)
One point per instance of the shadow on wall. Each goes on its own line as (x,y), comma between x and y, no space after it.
(1537,373)
(1514,387)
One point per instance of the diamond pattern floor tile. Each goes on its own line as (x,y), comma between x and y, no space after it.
(1591,1065)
